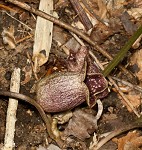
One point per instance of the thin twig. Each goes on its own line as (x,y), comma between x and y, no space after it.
(68,27)
(7,8)
(61,24)
(11,112)
(19,21)
(24,38)
(46,117)
(136,87)
(81,14)
(116,133)
(124,97)
(90,10)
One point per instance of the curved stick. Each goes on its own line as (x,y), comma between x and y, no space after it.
(116,133)
(46,117)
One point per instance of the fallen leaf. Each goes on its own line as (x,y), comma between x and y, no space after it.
(101,32)
(81,125)
(72,44)
(136,13)
(134,98)
(8,37)
(129,26)
(136,64)
(98,7)
(132,141)
(28,73)
(58,33)
(117,4)
(102,9)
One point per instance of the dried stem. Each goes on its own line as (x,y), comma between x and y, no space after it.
(82,14)
(7,8)
(11,112)
(87,6)
(123,96)
(19,21)
(46,117)
(136,87)
(62,24)
(116,133)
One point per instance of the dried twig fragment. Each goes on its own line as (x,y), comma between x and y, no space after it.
(11,112)
(82,15)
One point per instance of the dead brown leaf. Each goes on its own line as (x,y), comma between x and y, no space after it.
(102,9)
(129,26)
(8,37)
(99,8)
(132,141)
(136,64)
(28,73)
(81,125)
(58,33)
(101,32)
(134,98)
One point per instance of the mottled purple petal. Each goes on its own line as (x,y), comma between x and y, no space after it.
(95,81)
(97,86)
(76,61)
(92,68)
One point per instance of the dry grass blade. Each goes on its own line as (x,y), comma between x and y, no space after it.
(43,36)
(116,133)
(128,84)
